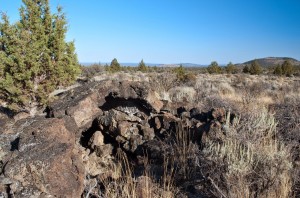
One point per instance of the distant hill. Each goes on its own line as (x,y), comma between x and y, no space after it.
(149,64)
(191,65)
(272,61)
(264,62)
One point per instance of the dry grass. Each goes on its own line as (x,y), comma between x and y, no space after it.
(124,184)
(253,159)
(182,94)
(121,76)
(246,93)
(257,163)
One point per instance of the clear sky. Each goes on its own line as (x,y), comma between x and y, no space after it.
(179,31)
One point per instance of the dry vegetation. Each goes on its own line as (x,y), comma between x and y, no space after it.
(258,156)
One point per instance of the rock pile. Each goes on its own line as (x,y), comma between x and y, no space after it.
(51,155)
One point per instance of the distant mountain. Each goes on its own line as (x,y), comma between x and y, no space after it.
(148,64)
(272,61)
(191,65)
(136,64)
(178,64)
(264,62)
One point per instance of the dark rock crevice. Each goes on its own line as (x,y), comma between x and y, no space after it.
(114,103)
(87,134)
(15,144)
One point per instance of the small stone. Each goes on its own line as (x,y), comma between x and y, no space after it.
(96,140)
(21,115)
(104,150)
(147,132)
(123,129)
(157,123)
(120,139)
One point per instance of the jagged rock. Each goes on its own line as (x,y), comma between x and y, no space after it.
(133,143)
(50,157)
(121,102)
(96,140)
(81,104)
(120,139)
(111,117)
(168,119)
(197,130)
(3,193)
(146,132)
(104,150)
(8,138)
(99,165)
(126,129)
(21,115)
(107,119)
(121,125)
(165,122)
(157,123)
(46,160)
(85,112)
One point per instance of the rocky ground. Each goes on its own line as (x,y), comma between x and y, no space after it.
(109,138)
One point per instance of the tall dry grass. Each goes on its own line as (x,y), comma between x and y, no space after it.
(125,184)
(256,163)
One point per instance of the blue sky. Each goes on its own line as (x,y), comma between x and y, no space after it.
(179,31)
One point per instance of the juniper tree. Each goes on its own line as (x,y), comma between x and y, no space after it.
(246,69)
(142,67)
(34,56)
(231,68)
(278,70)
(214,68)
(287,68)
(114,66)
(180,73)
(255,68)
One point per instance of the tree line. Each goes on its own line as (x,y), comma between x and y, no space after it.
(254,68)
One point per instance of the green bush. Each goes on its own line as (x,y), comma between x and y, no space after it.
(214,68)
(114,66)
(246,69)
(287,68)
(231,68)
(34,56)
(142,67)
(278,70)
(182,76)
(180,73)
(255,68)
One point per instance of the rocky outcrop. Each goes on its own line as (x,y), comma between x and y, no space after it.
(83,129)
(44,159)
(80,104)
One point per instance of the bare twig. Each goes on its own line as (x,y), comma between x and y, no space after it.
(216,187)
(90,189)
